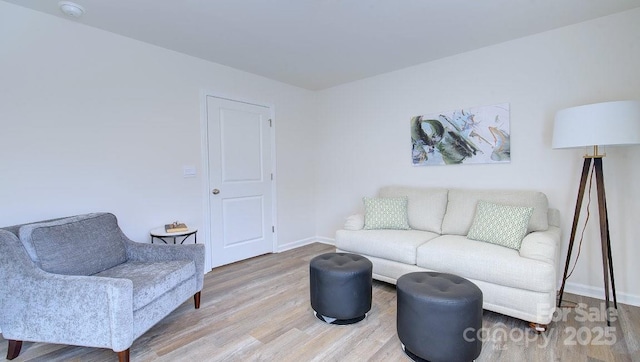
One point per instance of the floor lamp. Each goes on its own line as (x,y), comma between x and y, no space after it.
(594,125)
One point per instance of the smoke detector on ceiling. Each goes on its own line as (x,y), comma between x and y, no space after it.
(71,9)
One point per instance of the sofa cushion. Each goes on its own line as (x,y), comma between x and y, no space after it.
(385,213)
(151,279)
(426,206)
(500,224)
(396,245)
(462,205)
(78,245)
(487,262)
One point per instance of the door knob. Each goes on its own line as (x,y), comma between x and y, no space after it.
(215,191)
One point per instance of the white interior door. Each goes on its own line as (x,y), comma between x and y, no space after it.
(240,180)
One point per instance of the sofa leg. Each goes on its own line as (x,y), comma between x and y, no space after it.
(14,349)
(538,328)
(196,300)
(123,356)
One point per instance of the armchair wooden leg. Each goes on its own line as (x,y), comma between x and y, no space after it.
(196,300)
(123,356)
(14,349)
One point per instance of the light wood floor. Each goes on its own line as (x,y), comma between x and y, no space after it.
(258,310)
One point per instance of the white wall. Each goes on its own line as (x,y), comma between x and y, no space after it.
(93,121)
(364,140)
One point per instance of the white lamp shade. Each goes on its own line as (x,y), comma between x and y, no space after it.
(599,124)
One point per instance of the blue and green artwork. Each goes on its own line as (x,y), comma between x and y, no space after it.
(463,136)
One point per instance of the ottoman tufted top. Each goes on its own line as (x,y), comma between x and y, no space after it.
(342,263)
(439,286)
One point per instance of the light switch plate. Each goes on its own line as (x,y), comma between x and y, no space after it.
(188,171)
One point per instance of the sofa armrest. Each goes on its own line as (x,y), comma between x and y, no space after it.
(542,245)
(354,222)
(554,217)
(164,252)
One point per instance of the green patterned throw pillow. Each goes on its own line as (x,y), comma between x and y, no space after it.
(385,213)
(500,224)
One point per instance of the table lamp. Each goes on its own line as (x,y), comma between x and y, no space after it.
(594,125)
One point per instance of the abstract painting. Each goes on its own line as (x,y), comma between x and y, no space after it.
(463,136)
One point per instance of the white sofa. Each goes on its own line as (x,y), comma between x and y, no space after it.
(518,283)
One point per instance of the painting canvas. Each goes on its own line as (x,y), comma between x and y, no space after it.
(462,136)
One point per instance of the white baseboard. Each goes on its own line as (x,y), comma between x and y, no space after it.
(295,244)
(598,293)
(303,242)
(328,241)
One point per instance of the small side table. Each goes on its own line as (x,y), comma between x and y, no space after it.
(160,233)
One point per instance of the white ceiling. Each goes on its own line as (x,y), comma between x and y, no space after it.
(316,44)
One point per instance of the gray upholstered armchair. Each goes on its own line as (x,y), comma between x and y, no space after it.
(81,281)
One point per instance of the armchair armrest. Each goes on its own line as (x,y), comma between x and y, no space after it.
(80,310)
(161,252)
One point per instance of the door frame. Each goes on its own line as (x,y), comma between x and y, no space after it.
(204,151)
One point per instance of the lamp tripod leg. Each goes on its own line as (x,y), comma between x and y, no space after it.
(576,216)
(605,241)
(613,283)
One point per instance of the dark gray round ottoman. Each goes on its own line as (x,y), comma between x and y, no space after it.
(340,287)
(439,316)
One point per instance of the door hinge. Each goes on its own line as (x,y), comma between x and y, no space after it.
(273,229)
(270,125)
(271,177)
